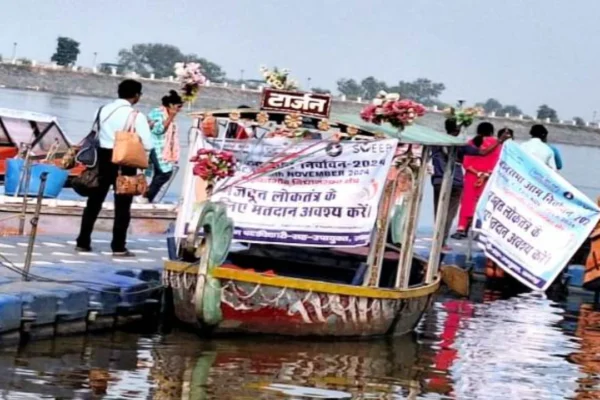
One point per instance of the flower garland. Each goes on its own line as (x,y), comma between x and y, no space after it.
(464,116)
(190,77)
(390,108)
(279,79)
(213,165)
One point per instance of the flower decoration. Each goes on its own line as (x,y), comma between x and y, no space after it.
(213,165)
(262,118)
(464,116)
(293,121)
(190,77)
(279,79)
(392,109)
(352,130)
(324,125)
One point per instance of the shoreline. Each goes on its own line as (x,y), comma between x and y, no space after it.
(86,84)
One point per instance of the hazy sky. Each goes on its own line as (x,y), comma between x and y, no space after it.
(525,52)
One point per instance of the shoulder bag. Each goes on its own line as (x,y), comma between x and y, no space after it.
(88,153)
(131,185)
(128,150)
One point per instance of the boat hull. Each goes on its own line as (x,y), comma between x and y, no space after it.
(252,303)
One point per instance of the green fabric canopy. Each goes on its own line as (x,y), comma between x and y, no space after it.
(413,134)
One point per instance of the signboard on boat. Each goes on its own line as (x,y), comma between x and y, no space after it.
(328,198)
(530,220)
(306,103)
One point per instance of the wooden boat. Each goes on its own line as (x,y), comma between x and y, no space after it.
(41,132)
(329,289)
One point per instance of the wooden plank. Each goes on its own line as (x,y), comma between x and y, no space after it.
(410,228)
(441,218)
(305,284)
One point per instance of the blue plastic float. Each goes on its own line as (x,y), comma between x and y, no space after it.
(10,312)
(133,293)
(55,182)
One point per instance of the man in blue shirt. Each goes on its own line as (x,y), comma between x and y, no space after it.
(557,157)
(439,158)
(113,118)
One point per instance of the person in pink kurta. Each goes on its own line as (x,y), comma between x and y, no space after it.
(477,172)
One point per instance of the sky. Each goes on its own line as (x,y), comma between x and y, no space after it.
(523,52)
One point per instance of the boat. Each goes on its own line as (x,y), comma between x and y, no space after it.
(226,275)
(41,133)
(47,143)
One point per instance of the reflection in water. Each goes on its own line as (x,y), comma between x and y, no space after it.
(516,348)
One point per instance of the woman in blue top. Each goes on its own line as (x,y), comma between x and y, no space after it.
(166,143)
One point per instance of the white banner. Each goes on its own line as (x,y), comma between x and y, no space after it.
(328,198)
(530,220)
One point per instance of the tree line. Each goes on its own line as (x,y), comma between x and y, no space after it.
(158,59)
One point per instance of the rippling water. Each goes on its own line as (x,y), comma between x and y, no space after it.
(523,347)
(488,347)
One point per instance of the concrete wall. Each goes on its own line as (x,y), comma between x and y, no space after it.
(97,85)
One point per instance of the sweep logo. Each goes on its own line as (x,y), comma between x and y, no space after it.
(334,149)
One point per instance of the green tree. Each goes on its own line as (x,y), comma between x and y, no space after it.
(319,90)
(159,59)
(491,105)
(421,90)
(579,121)
(511,110)
(67,51)
(212,71)
(371,87)
(546,111)
(350,88)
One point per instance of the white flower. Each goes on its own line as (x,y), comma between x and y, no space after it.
(392,96)
(378,102)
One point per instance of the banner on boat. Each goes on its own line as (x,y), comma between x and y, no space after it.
(328,197)
(530,220)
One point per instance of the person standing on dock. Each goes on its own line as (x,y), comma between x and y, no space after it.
(537,146)
(165,153)
(439,158)
(113,117)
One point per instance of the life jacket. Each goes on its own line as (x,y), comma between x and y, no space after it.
(591,277)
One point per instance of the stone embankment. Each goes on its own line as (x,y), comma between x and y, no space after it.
(99,85)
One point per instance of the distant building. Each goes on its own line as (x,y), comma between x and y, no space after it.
(108,68)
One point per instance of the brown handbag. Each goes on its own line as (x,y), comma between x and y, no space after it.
(128,150)
(131,185)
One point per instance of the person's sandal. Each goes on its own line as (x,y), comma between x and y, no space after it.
(123,254)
